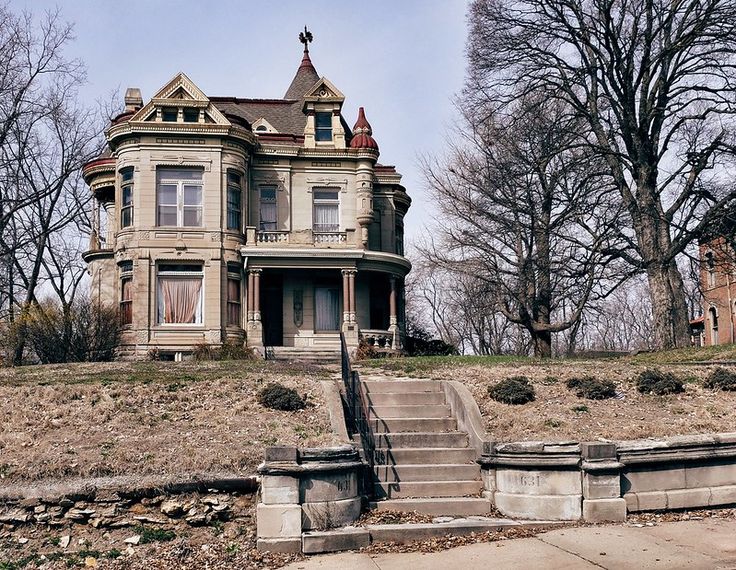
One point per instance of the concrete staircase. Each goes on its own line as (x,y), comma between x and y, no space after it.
(422,462)
(314,355)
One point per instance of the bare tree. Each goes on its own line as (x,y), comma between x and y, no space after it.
(525,213)
(653,80)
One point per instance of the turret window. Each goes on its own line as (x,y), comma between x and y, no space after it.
(180,294)
(234,199)
(323,127)
(179,197)
(126,293)
(126,205)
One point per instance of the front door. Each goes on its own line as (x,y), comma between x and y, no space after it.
(326,309)
(272,305)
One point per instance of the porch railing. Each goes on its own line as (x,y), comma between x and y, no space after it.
(357,408)
(273,236)
(329,237)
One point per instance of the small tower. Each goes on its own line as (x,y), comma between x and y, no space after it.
(364,141)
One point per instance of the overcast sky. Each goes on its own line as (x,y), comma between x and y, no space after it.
(403,60)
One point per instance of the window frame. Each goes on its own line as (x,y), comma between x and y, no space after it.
(234,187)
(274,202)
(125,306)
(127,185)
(181,206)
(323,133)
(320,201)
(182,274)
(234,274)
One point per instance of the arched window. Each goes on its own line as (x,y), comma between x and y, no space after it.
(713,314)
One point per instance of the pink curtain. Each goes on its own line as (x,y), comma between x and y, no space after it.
(181,299)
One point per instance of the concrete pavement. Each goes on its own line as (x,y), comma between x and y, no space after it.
(704,544)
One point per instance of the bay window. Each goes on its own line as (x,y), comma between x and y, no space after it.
(179,197)
(233,294)
(326,210)
(126,293)
(126,191)
(179,289)
(234,200)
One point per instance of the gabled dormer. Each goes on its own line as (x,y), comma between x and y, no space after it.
(322,105)
(180,101)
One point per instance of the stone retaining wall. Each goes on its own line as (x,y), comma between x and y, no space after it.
(307,489)
(602,481)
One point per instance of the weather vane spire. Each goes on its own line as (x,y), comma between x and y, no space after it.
(305,37)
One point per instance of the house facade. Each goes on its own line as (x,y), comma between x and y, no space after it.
(267,222)
(718,285)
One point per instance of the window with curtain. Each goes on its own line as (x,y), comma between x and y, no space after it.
(179,197)
(326,308)
(268,208)
(126,293)
(326,210)
(233,294)
(126,191)
(234,196)
(323,127)
(180,294)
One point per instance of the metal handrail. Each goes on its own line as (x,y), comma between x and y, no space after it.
(357,409)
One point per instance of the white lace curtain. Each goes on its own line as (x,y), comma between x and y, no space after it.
(326,218)
(180,300)
(327,309)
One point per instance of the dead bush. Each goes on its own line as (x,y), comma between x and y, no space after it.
(721,379)
(278,397)
(654,381)
(514,390)
(592,388)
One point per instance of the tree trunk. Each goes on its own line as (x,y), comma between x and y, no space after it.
(542,342)
(669,310)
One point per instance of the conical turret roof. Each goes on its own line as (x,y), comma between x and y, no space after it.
(306,76)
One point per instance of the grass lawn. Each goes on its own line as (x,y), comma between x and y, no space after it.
(558,414)
(161,418)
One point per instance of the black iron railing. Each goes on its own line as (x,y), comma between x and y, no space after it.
(357,408)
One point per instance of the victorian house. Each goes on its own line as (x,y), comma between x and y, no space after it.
(261,221)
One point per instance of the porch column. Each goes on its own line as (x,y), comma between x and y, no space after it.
(345,296)
(351,278)
(249,298)
(393,319)
(256,294)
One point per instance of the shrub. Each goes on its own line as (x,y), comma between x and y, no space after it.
(592,388)
(366,351)
(721,379)
(655,381)
(515,390)
(226,351)
(204,351)
(278,397)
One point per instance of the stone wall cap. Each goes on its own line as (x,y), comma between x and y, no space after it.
(563,447)
(601,465)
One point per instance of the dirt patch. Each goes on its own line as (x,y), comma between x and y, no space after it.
(557,414)
(96,420)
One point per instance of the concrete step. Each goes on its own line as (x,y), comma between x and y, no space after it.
(405,533)
(411,411)
(440,472)
(402,490)
(424,455)
(435,425)
(402,386)
(406,398)
(421,439)
(439,506)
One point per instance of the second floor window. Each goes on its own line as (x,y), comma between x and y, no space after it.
(323,127)
(126,203)
(268,210)
(234,193)
(326,211)
(179,197)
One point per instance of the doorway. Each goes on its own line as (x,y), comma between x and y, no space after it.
(272,304)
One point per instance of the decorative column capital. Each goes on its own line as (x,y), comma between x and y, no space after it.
(255,271)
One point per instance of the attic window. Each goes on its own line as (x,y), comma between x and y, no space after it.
(323,127)
(169,114)
(261,128)
(191,115)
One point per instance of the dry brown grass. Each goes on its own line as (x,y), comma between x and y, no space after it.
(553,416)
(150,418)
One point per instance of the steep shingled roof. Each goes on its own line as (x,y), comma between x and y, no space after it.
(306,76)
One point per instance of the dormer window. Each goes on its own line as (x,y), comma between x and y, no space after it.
(323,127)
(191,115)
(261,128)
(169,114)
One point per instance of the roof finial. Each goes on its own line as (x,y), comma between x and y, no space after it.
(305,37)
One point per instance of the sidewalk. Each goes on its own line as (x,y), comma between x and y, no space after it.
(704,544)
